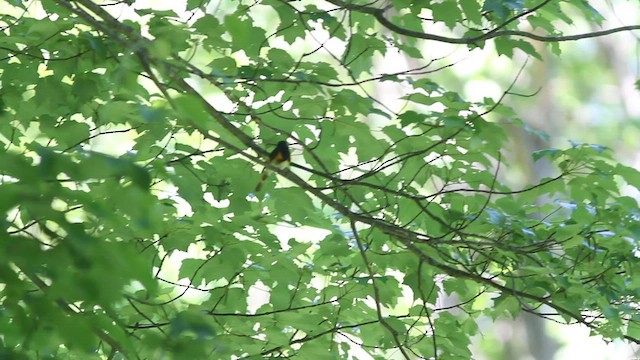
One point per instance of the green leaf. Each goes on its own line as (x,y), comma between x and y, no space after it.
(360,52)
(117,112)
(223,66)
(630,175)
(549,153)
(527,48)
(191,321)
(447,12)
(244,35)
(504,46)
(294,202)
(471,10)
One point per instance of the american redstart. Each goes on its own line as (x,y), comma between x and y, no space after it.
(279,157)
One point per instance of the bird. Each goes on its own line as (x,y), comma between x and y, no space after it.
(279,157)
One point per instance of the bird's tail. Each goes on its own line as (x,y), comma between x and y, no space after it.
(264,176)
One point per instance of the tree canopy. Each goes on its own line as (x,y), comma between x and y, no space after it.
(134,137)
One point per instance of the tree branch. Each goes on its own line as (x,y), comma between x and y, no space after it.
(379,15)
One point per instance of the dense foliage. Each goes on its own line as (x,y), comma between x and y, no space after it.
(133,139)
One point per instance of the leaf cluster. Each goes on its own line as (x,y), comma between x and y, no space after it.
(133,145)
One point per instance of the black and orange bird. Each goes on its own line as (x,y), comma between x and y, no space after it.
(279,157)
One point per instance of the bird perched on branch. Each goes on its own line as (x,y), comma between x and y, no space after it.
(279,157)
